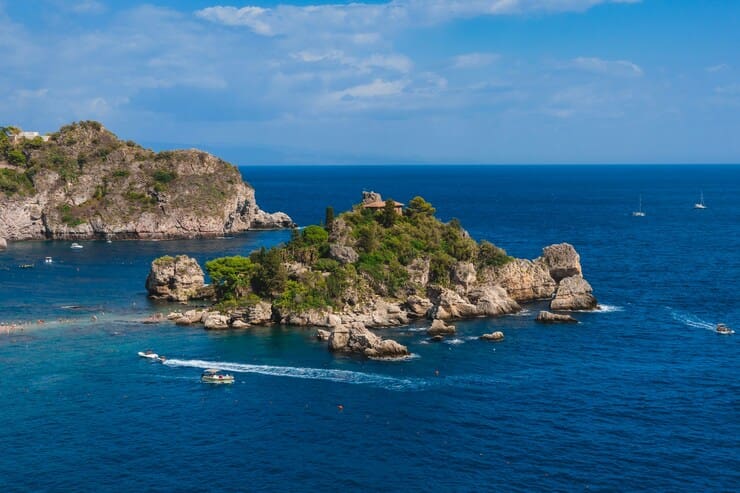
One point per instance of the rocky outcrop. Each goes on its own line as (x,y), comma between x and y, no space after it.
(3,244)
(464,275)
(545,317)
(357,339)
(416,306)
(216,321)
(89,184)
(439,328)
(175,279)
(493,336)
(343,254)
(561,261)
(258,314)
(322,335)
(418,271)
(491,301)
(482,301)
(522,279)
(574,293)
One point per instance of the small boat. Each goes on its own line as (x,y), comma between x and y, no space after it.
(212,375)
(639,212)
(26,266)
(76,246)
(700,204)
(48,260)
(148,354)
(724,330)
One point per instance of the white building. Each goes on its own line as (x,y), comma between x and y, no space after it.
(15,138)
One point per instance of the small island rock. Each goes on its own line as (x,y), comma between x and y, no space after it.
(356,338)
(175,278)
(574,293)
(493,336)
(439,328)
(546,317)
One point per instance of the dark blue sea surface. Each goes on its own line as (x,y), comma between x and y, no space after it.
(641,396)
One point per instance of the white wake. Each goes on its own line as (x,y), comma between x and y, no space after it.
(331,375)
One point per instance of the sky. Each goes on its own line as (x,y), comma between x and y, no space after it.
(385,82)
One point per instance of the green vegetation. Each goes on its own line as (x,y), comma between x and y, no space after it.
(164,176)
(69,216)
(12,182)
(386,243)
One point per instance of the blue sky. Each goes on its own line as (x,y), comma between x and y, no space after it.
(401,81)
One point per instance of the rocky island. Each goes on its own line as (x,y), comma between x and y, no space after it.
(378,265)
(82,182)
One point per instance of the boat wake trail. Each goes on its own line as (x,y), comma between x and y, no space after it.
(331,375)
(691,320)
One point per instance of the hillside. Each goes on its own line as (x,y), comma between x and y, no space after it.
(84,182)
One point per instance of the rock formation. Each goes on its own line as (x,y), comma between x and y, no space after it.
(3,244)
(85,183)
(561,261)
(546,317)
(175,279)
(493,336)
(356,338)
(574,293)
(439,328)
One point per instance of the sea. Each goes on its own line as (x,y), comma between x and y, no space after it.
(641,395)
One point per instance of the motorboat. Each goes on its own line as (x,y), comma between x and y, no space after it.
(76,246)
(149,354)
(724,330)
(48,260)
(212,375)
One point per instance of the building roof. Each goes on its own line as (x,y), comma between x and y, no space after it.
(380,204)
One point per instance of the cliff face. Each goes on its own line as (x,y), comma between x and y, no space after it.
(86,183)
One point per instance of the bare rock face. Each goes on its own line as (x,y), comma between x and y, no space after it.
(463,274)
(3,244)
(175,278)
(449,304)
(266,220)
(439,328)
(561,261)
(574,293)
(356,338)
(524,280)
(416,306)
(492,300)
(216,321)
(370,197)
(239,324)
(322,335)
(545,317)
(343,254)
(258,314)
(418,271)
(493,336)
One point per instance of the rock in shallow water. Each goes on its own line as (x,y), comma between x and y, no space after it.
(356,338)
(545,317)
(175,278)
(439,328)
(574,293)
(493,336)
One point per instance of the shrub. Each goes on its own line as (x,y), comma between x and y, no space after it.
(231,276)
(16,157)
(164,176)
(315,235)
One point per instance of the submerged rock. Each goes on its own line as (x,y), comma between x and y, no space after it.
(574,293)
(175,279)
(546,317)
(493,336)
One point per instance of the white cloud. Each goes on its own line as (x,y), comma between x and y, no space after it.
(618,68)
(717,68)
(286,19)
(474,60)
(376,88)
(390,61)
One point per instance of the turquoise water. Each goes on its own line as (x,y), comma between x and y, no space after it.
(640,396)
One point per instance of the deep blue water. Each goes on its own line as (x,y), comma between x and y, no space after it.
(642,396)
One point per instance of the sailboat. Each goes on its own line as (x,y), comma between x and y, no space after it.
(639,212)
(701,204)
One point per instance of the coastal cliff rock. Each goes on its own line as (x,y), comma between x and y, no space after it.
(175,279)
(574,293)
(482,301)
(356,338)
(3,244)
(523,279)
(416,306)
(545,317)
(85,183)
(561,261)
(343,254)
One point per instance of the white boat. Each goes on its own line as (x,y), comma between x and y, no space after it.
(724,330)
(212,375)
(700,204)
(48,260)
(148,354)
(639,212)
(76,246)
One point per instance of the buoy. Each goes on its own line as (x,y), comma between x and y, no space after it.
(340,407)
(436,372)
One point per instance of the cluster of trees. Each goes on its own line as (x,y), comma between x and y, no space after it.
(386,242)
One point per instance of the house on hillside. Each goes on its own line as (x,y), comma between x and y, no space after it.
(18,136)
(373,200)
